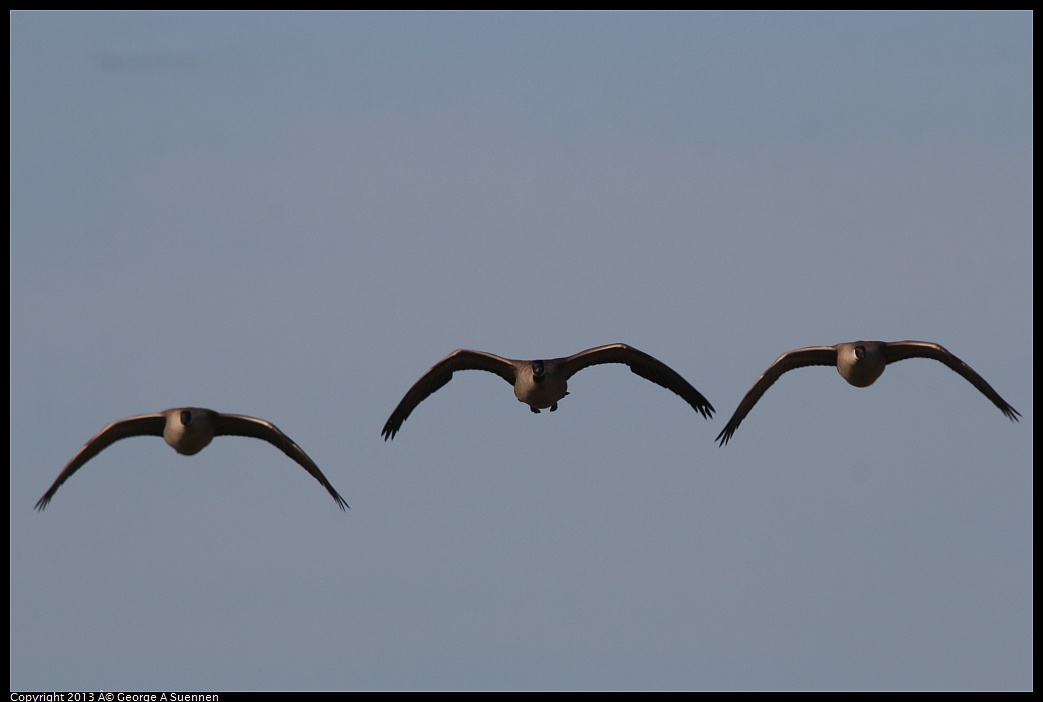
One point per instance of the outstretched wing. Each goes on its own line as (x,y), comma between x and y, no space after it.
(140,425)
(440,374)
(642,364)
(798,358)
(901,350)
(240,425)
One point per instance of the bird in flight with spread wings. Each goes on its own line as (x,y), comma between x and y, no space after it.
(542,383)
(188,430)
(860,363)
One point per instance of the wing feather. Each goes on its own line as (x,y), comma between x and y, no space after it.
(140,425)
(648,367)
(440,374)
(798,358)
(241,425)
(901,350)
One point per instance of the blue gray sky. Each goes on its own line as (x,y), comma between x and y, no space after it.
(294,215)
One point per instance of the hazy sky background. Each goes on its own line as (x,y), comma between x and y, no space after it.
(294,215)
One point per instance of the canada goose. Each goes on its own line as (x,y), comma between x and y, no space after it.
(188,430)
(540,384)
(860,363)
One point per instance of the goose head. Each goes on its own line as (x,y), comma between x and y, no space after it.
(537,371)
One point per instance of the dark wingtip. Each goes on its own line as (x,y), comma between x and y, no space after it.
(42,503)
(1011,413)
(701,405)
(724,436)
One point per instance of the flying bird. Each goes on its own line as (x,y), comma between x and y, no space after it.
(188,430)
(860,363)
(541,384)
